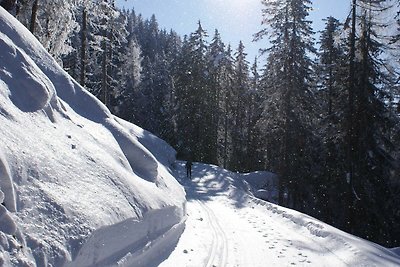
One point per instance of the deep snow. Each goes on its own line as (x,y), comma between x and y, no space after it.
(80,187)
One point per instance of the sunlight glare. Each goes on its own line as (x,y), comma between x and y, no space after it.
(236,13)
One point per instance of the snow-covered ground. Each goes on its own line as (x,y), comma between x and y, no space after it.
(228,227)
(81,188)
(78,186)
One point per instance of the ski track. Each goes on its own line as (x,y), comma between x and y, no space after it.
(219,248)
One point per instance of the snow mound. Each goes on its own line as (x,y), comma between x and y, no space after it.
(261,184)
(78,186)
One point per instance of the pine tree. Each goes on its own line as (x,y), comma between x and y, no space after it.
(52,22)
(369,148)
(288,114)
(106,46)
(239,108)
(130,73)
(331,185)
(76,61)
(227,73)
(254,99)
(192,95)
(215,58)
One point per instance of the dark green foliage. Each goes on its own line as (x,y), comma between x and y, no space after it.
(288,115)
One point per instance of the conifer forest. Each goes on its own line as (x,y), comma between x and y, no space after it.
(320,110)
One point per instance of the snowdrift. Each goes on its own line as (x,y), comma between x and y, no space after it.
(78,186)
(261,184)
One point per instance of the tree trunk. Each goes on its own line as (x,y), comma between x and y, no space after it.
(104,75)
(226,136)
(351,146)
(35,7)
(83,47)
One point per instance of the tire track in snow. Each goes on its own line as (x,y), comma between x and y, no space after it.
(219,248)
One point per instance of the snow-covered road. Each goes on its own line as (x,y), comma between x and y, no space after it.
(226,227)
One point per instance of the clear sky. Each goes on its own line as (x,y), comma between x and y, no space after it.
(235,19)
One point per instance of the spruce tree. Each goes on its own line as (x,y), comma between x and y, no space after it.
(254,99)
(332,66)
(288,115)
(192,96)
(369,122)
(215,59)
(239,108)
(227,73)
(52,22)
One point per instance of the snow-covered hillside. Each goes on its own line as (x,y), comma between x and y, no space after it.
(78,186)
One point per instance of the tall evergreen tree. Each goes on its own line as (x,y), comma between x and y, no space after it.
(130,73)
(254,99)
(288,115)
(332,68)
(215,58)
(192,96)
(227,73)
(239,108)
(52,22)
(369,148)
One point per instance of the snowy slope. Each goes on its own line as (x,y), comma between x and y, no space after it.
(78,186)
(228,227)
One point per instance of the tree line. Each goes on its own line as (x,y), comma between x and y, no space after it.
(323,114)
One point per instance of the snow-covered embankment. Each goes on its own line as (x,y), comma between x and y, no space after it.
(78,186)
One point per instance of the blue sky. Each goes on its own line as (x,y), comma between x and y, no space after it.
(235,19)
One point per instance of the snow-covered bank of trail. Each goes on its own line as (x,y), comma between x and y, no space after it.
(226,227)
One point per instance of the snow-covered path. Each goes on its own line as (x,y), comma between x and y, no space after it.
(226,227)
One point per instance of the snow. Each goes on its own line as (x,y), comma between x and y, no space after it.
(261,184)
(80,187)
(226,226)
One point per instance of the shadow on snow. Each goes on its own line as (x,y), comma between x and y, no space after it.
(210,181)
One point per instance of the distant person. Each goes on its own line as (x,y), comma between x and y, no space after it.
(189,169)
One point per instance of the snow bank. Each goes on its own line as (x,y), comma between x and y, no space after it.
(261,184)
(109,245)
(78,186)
